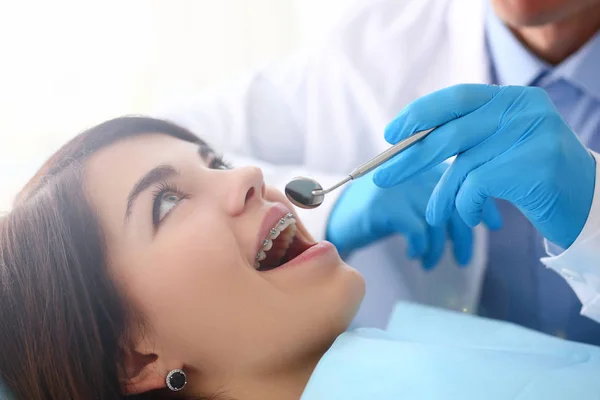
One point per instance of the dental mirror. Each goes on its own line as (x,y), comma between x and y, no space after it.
(300,191)
(308,193)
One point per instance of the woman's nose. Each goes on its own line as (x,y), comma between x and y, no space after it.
(247,186)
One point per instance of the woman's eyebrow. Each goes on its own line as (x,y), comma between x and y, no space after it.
(155,175)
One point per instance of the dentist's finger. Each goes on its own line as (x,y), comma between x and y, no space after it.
(408,224)
(446,141)
(456,136)
(437,243)
(438,108)
(477,189)
(462,239)
(491,215)
(417,245)
(442,201)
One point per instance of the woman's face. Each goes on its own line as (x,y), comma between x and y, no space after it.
(182,235)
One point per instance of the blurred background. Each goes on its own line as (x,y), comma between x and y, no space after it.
(67,65)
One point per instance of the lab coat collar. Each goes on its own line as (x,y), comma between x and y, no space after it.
(467,35)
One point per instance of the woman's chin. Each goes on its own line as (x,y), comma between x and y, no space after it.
(344,295)
(356,290)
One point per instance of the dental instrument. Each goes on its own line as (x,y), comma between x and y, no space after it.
(308,193)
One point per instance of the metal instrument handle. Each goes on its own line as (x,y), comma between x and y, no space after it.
(389,153)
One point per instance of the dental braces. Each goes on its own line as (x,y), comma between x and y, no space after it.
(274,233)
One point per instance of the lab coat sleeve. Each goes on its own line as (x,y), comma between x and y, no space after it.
(579,265)
(259,119)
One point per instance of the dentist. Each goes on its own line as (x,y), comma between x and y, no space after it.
(510,143)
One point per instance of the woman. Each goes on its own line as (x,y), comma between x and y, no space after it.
(136,263)
(132,254)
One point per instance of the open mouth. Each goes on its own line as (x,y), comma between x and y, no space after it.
(283,244)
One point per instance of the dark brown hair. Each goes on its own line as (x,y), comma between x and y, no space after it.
(62,320)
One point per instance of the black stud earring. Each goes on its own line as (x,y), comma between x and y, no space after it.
(176,380)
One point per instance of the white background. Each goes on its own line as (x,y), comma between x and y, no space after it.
(67,65)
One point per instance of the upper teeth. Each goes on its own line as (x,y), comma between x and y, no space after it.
(274,233)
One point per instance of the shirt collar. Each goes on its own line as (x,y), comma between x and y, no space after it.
(581,69)
(505,50)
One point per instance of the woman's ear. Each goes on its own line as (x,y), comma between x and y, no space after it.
(143,371)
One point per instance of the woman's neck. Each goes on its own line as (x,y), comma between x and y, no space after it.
(283,385)
(280,384)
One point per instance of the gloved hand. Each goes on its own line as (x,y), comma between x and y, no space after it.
(366,213)
(510,143)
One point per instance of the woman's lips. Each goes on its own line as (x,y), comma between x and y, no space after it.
(314,251)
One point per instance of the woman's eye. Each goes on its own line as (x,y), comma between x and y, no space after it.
(166,203)
(218,163)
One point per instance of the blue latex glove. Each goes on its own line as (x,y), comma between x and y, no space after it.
(366,213)
(511,143)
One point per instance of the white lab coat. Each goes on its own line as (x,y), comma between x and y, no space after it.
(323,112)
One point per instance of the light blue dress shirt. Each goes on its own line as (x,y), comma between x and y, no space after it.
(517,286)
